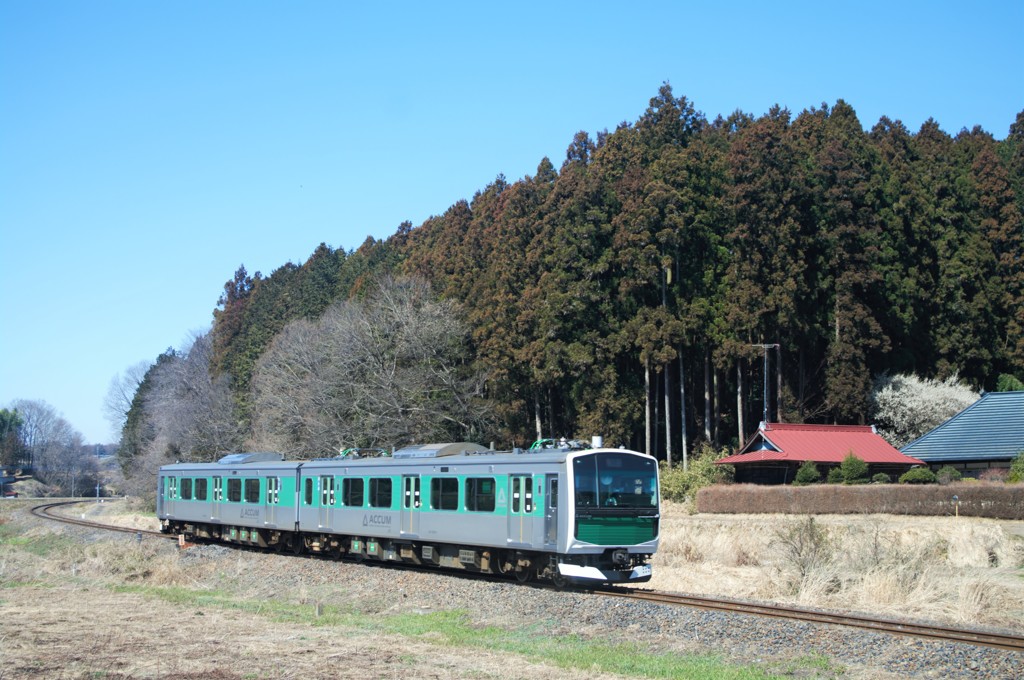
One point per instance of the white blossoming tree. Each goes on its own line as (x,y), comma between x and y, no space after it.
(906,406)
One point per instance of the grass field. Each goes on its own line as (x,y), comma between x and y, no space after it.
(965,571)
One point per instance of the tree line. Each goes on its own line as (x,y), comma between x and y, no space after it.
(36,440)
(672,281)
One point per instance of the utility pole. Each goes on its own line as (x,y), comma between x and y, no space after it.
(767,347)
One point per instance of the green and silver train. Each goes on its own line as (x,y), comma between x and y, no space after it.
(565,514)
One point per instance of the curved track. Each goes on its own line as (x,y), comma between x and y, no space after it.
(943,633)
(45,511)
(892,626)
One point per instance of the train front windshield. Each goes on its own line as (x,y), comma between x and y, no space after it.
(615,480)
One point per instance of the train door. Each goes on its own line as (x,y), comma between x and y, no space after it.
(273,498)
(218,497)
(326,500)
(171,495)
(551,511)
(410,505)
(520,516)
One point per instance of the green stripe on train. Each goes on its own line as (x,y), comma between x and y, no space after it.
(615,530)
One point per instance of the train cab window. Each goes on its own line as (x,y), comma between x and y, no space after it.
(615,480)
(252,491)
(352,492)
(273,490)
(307,495)
(444,493)
(380,492)
(199,489)
(234,490)
(326,491)
(186,489)
(480,494)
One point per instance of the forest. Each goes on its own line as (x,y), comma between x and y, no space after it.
(672,282)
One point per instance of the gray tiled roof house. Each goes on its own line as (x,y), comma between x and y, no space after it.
(988,433)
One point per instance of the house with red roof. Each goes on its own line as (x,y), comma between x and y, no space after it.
(777,450)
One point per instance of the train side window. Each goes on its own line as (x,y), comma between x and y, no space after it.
(553,491)
(218,489)
(308,492)
(172,488)
(252,491)
(201,489)
(480,494)
(234,490)
(186,489)
(380,492)
(352,492)
(444,493)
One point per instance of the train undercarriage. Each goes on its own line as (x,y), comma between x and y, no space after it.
(523,565)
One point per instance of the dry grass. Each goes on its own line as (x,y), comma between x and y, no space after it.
(75,605)
(960,570)
(75,609)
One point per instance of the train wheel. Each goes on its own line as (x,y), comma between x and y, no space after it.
(524,573)
(503,565)
(559,580)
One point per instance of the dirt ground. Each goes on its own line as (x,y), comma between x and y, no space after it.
(64,614)
(97,633)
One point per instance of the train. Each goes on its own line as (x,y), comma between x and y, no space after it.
(560,512)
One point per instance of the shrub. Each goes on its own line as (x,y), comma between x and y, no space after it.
(854,469)
(994,475)
(835,476)
(918,475)
(804,546)
(881,478)
(1017,469)
(680,486)
(807,474)
(947,474)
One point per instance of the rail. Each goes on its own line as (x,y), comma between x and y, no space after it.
(1006,641)
(45,511)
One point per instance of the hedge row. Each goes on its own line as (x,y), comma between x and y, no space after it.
(999,501)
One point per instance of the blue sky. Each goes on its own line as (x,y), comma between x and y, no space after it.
(147,149)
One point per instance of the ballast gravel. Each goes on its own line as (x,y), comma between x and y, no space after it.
(795,649)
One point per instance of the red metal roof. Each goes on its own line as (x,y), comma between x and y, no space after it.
(820,443)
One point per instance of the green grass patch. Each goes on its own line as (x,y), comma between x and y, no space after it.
(566,651)
(283,612)
(41,545)
(454,628)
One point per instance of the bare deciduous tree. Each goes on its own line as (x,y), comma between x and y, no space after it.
(191,412)
(389,370)
(121,392)
(57,454)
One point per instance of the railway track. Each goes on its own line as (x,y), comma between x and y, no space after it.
(940,633)
(45,511)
